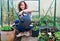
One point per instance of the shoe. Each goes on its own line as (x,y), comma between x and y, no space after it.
(26,33)
(19,35)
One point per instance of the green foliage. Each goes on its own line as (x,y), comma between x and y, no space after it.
(15,17)
(57,35)
(47,20)
(43,36)
(35,18)
(35,24)
(6,28)
(43,21)
(35,28)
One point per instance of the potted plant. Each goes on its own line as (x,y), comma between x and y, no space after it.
(7,33)
(40,37)
(51,38)
(35,31)
(57,36)
(46,21)
(43,37)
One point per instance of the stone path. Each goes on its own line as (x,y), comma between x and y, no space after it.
(26,39)
(29,39)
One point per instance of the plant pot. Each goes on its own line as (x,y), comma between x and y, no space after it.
(45,30)
(35,33)
(8,35)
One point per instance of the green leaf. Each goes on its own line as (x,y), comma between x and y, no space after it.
(6,28)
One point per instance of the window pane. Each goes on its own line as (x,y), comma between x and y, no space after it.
(32,5)
(58,14)
(31,0)
(35,16)
(4,12)
(45,5)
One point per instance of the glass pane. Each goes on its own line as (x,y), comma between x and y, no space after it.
(35,16)
(45,6)
(47,12)
(32,5)
(58,15)
(15,4)
(31,0)
(4,12)
(11,13)
(58,8)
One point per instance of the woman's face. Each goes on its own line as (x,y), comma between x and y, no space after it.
(22,6)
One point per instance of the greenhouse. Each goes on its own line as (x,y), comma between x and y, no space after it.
(45,20)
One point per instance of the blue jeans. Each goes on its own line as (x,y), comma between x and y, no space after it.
(20,28)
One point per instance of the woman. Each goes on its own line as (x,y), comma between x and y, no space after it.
(22,7)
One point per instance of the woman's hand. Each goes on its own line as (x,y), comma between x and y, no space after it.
(20,13)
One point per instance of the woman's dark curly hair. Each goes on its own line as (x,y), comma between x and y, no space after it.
(20,5)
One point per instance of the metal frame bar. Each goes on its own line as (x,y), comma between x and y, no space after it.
(38,5)
(1,15)
(55,13)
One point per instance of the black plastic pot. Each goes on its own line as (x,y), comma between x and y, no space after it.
(35,33)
